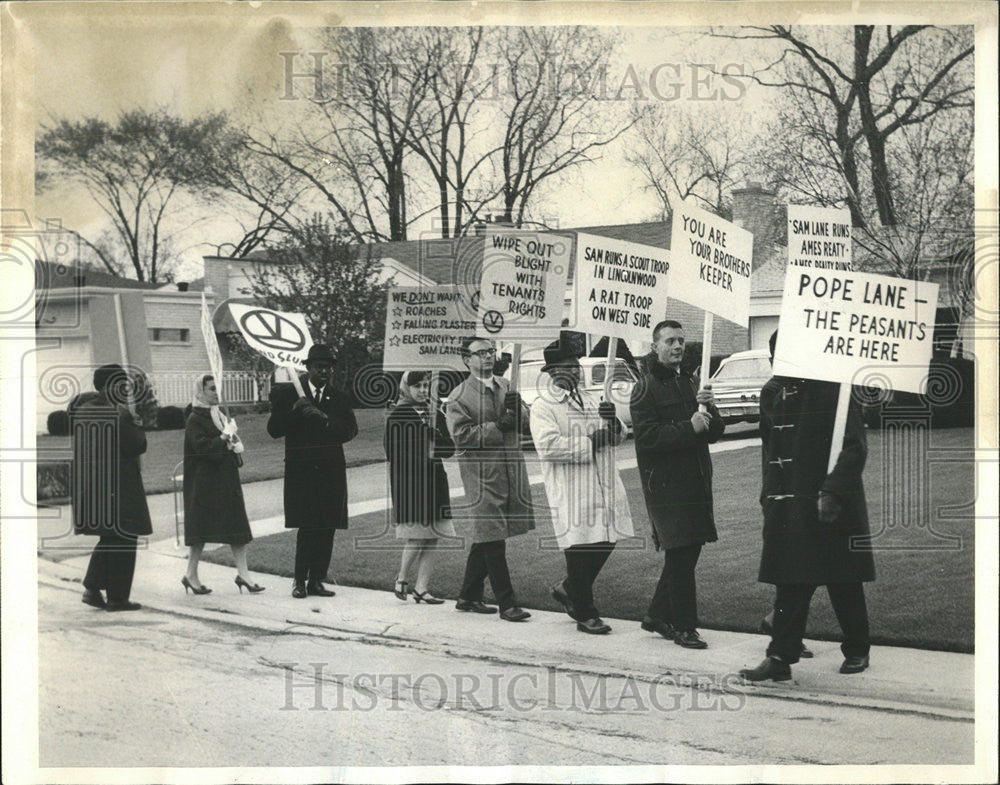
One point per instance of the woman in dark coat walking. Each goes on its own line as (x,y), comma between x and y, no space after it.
(214,510)
(419,485)
(108,497)
(815,523)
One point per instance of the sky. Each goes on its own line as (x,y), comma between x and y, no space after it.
(101,65)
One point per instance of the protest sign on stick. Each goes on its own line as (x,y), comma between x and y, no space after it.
(212,347)
(713,259)
(424,328)
(283,338)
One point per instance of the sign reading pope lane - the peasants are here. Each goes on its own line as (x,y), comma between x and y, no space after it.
(523,285)
(856,328)
(621,287)
(424,328)
(712,260)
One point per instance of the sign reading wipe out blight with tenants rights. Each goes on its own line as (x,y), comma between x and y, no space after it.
(850,327)
(621,287)
(522,290)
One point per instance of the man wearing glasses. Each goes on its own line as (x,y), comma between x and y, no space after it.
(486,421)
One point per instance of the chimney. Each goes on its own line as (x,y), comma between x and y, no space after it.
(755,209)
(182,286)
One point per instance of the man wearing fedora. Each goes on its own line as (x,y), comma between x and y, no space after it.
(575,436)
(486,421)
(315,428)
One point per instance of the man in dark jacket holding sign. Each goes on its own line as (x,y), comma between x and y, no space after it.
(671,444)
(315,427)
(814,522)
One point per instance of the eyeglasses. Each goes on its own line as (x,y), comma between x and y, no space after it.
(485,354)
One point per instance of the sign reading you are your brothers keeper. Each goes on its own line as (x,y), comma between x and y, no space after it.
(712,260)
(283,338)
(621,287)
(522,290)
(850,327)
(424,328)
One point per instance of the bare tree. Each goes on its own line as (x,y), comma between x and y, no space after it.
(136,170)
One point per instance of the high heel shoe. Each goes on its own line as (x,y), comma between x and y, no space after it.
(196,589)
(253,588)
(427,597)
(401,593)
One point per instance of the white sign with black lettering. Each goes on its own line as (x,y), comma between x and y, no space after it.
(424,328)
(211,344)
(856,328)
(283,338)
(819,238)
(523,285)
(712,259)
(621,287)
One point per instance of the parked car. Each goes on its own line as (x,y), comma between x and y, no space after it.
(737,384)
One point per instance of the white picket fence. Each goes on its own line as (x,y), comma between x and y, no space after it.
(177,388)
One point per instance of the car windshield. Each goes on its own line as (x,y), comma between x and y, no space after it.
(747,368)
(622,373)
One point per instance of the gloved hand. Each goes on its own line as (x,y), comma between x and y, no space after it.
(512,401)
(607,412)
(507,422)
(829,508)
(230,428)
(305,408)
(237,447)
(602,437)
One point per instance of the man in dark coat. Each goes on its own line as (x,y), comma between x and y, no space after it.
(315,427)
(813,521)
(108,497)
(671,444)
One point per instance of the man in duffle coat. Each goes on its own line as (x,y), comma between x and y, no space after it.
(108,497)
(315,428)
(486,421)
(815,523)
(671,445)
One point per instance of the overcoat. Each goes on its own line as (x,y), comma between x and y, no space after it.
(107,493)
(495,478)
(315,470)
(585,491)
(796,428)
(674,465)
(214,510)
(417,479)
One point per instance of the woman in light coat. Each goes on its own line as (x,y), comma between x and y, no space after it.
(575,437)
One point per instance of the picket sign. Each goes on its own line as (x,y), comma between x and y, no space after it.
(839,426)
(706,355)
(515,368)
(432,405)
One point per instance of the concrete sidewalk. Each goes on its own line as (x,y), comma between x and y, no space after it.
(929,683)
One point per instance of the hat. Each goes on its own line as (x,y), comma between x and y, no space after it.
(320,352)
(558,352)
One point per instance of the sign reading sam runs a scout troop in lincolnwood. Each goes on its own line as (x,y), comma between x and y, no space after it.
(712,260)
(621,287)
(425,326)
(522,291)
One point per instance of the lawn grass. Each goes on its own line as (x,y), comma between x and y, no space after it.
(921,597)
(264,458)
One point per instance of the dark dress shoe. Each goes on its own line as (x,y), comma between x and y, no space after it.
(854,665)
(299,591)
(515,614)
(689,639)
(317,589)
(595,626)
(93,598)
(649,624)
(769,670)
(114,606)
(475,606)
(767,628)
(559,595)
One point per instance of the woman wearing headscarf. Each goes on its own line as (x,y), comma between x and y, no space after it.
(214,511)
(418,482)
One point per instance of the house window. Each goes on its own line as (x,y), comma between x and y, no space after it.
(169,334)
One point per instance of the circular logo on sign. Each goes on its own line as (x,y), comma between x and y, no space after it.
(273,331)
(493,321)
